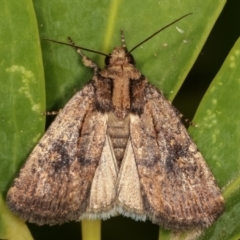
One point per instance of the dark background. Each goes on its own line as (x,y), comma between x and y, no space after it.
(223,36)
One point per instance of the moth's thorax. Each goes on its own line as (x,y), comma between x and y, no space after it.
(121,96)
(121,74)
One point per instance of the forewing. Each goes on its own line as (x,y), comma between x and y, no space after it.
(54,184)
(177,187)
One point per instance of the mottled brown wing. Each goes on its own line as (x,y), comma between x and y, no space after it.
(178,190)
(54,184)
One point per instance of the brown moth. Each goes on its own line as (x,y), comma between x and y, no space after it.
(118,146)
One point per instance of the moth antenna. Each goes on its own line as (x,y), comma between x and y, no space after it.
(123,40)
(168,25)
(76,47)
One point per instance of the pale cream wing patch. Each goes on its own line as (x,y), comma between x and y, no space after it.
(103,189)
(129,199)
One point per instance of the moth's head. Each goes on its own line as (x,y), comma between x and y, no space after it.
(119,56)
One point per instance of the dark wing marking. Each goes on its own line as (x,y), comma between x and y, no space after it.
(54,184)
(178,189)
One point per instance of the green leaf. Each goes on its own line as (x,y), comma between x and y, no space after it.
(91,230)
(22,98)
(11,227)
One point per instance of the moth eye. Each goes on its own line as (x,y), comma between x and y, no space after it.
(131,59)
(107,60)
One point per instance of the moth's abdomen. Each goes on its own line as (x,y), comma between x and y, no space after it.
(118,131)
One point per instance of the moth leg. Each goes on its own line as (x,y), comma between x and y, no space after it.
(183,118)
(52,113)
(86,61)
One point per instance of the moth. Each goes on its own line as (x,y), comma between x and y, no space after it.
(117,147)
